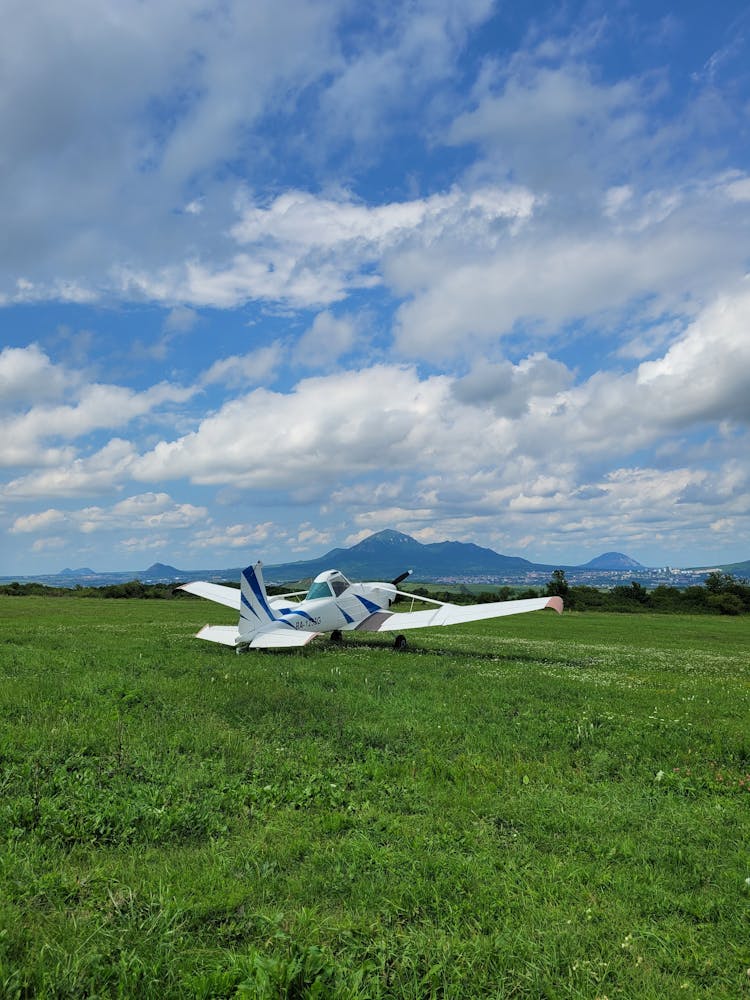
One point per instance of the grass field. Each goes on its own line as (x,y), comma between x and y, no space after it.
(531,807)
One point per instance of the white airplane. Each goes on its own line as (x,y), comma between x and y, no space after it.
(334,605)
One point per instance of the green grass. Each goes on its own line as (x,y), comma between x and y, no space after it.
(530,807)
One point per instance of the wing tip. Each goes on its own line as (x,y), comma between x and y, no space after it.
(556,603)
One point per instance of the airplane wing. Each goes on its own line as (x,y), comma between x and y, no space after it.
(455,614)
(229,596)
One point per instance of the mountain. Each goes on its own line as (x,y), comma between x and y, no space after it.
(387,553)
(612,560)
(162,571)
(383,556)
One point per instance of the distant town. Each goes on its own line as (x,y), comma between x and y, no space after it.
(667,576)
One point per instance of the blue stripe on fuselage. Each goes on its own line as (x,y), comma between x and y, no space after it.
(302,614)
(368,604)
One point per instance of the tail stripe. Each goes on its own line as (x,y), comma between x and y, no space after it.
(255,612)
(247,606)
(259,592)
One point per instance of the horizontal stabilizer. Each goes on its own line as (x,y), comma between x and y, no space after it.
(281,639)
(227,635)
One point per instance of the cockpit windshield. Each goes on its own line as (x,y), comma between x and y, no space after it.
(328,584)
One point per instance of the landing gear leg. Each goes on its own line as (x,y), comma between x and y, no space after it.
(336,637)
(399,642)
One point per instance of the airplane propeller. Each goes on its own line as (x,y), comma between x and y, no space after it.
(402,577)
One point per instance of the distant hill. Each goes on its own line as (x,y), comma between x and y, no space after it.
(612,560)
(162,571)
(387,553)
(383,556)
(738,569)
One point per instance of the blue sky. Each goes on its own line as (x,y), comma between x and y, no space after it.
(275,276)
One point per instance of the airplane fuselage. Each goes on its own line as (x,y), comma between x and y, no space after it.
(335,613)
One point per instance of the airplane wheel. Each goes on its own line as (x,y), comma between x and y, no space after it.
(336,636)
(399,642)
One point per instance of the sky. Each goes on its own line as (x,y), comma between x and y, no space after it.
(275,276)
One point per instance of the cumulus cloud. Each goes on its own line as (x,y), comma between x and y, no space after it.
(253,368)
(326,340)
(102,472)
(210,77)
(705,375)
(147,511)
(258,152)
(499,416)
(549,124)
(23,436)
(310,251)
(27,376)
(663,251)
(509,388)
(205,75)
(234,536)
(325,426)
(37,522)
(144,512)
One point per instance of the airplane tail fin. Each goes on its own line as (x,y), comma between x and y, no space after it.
(255,611)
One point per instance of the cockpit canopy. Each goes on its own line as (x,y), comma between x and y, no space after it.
(329,584)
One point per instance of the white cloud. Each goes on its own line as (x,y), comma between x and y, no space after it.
(326,426)
(221,538)
(210,77)
(705,375)
(548,279)
(53,543)
(27,376)
(253,368)
(147,512)
(98,407)
(326,340)
(102,472)
(416,51)
(505,416)
(37,522)
(739,190)
(206,73)
(509,388)
(550,125)
(180,320)
(312,251)
(283,157)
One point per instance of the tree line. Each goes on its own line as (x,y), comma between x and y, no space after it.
(721,593)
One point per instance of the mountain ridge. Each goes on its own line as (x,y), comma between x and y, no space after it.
(383,555)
